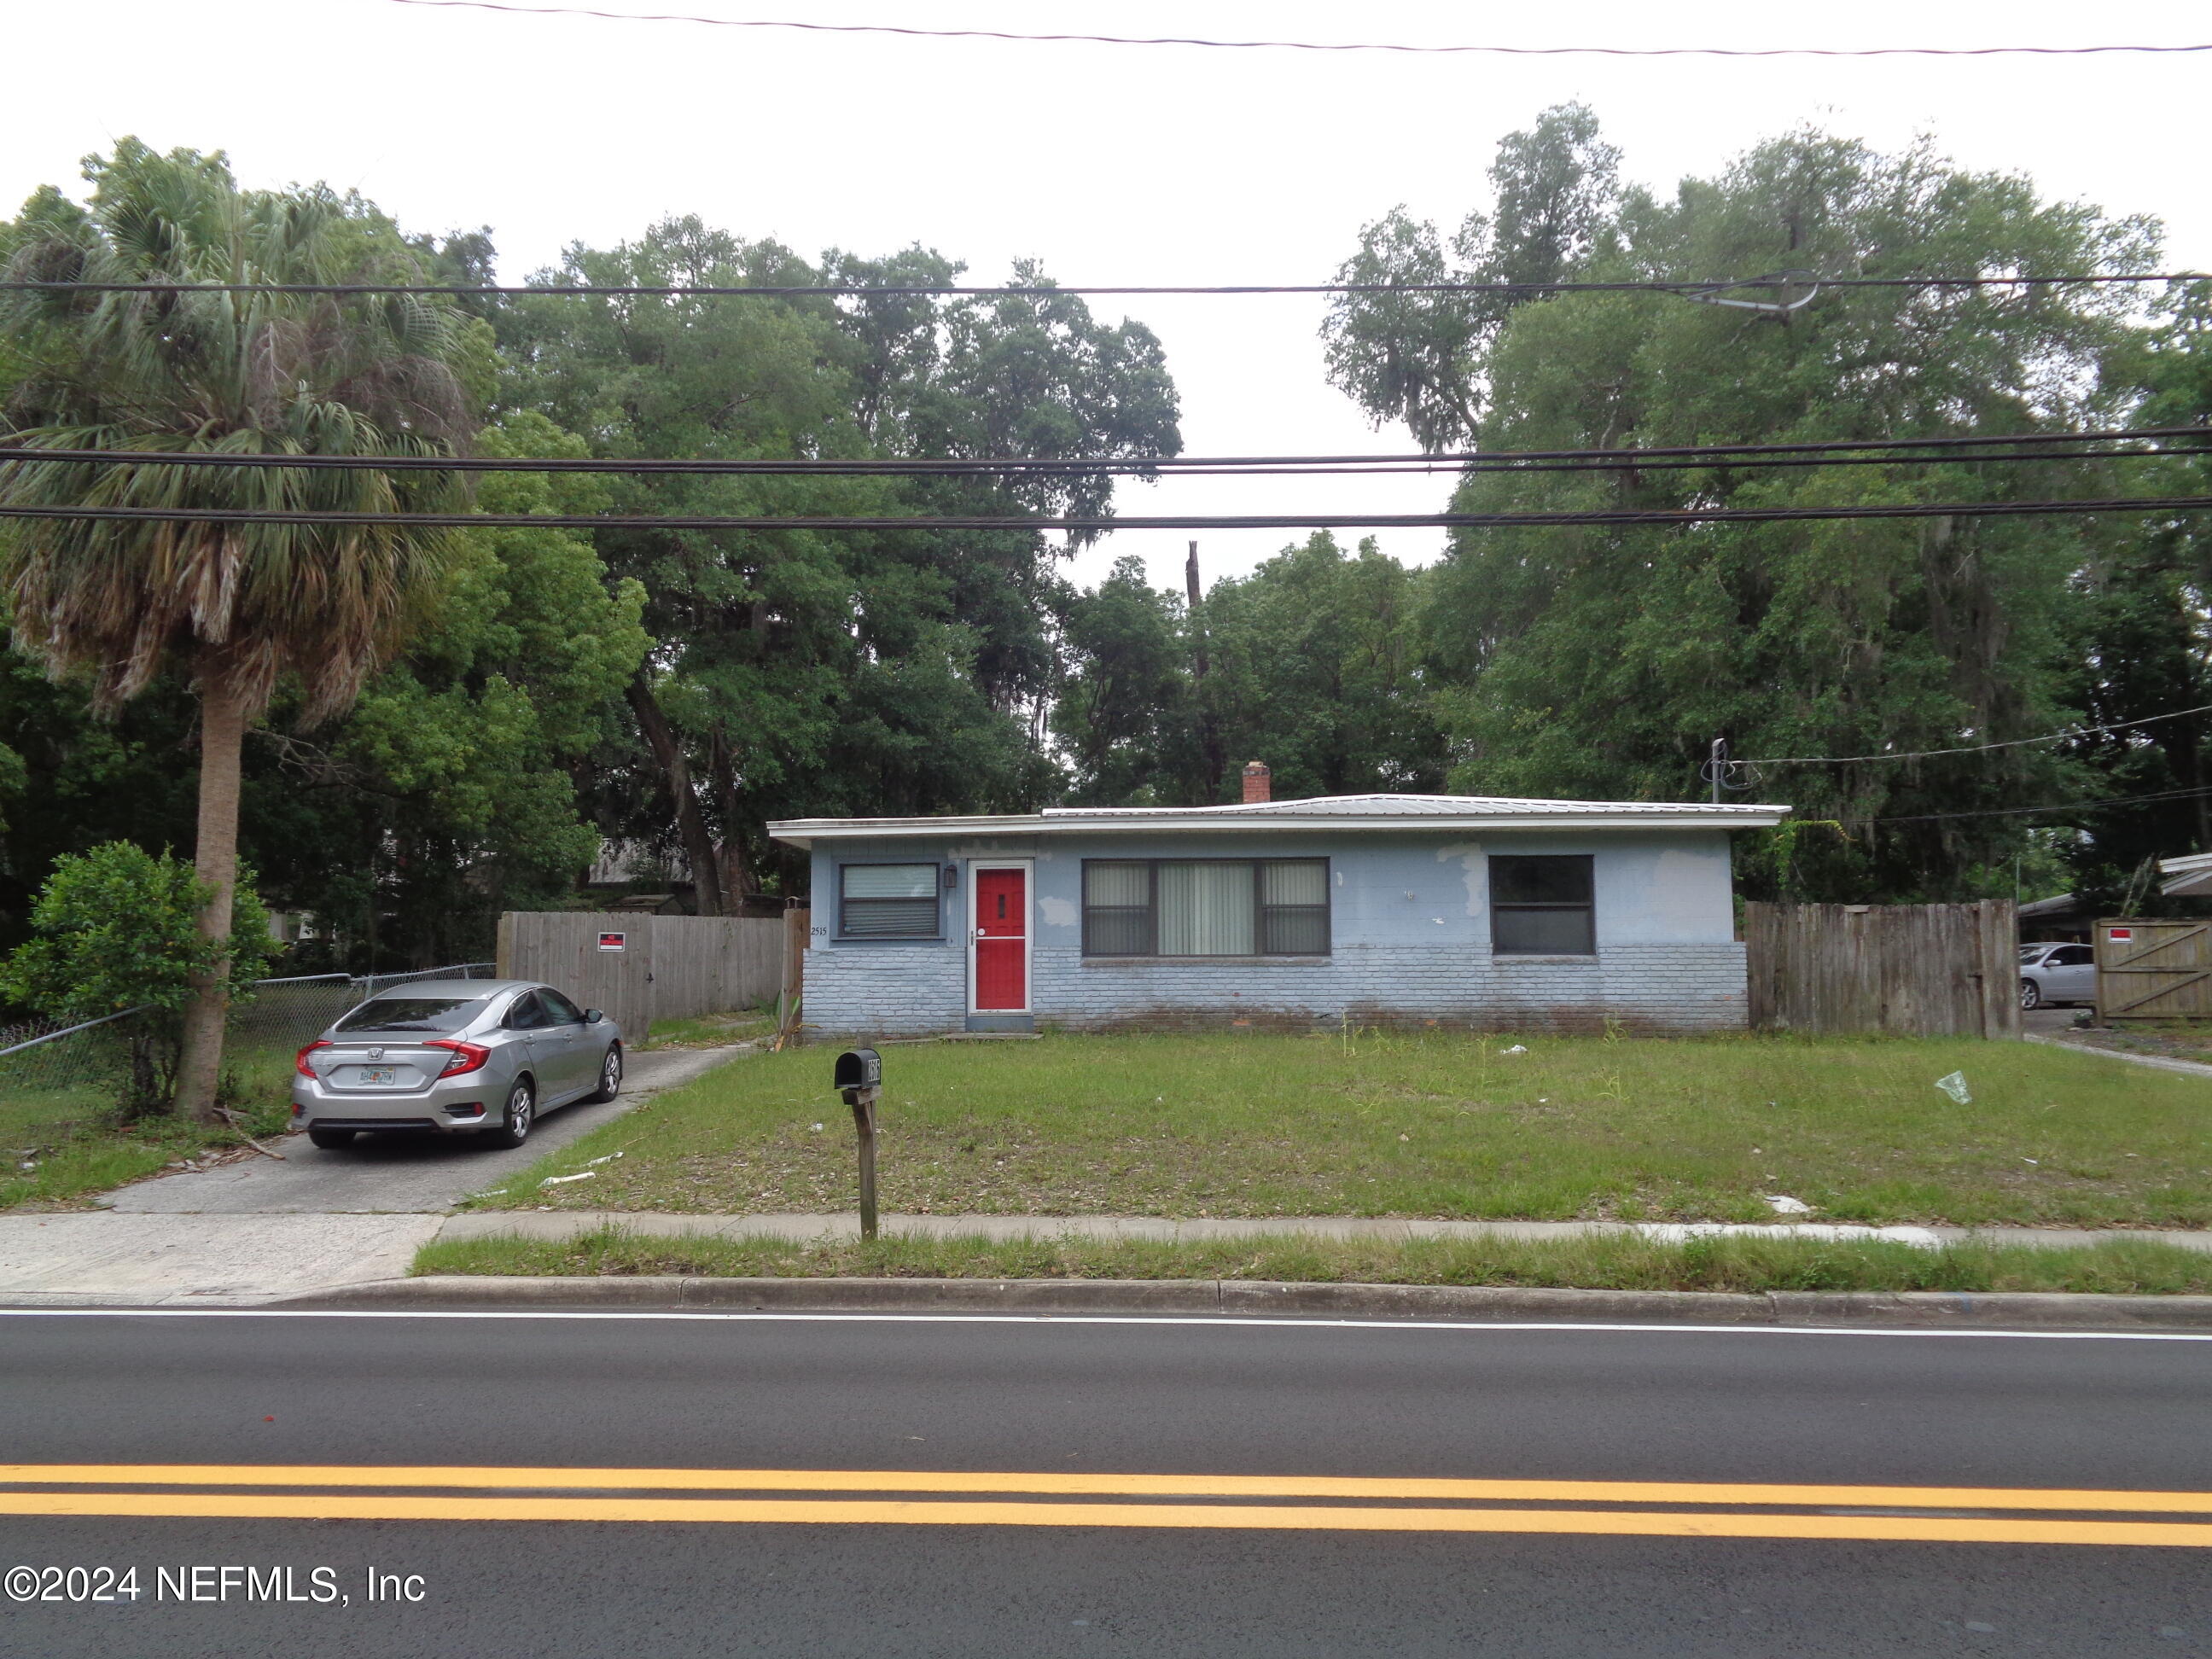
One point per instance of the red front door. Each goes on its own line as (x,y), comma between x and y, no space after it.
(1002,942)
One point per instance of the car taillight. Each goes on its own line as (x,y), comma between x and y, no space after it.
(300,1062)
(467,1056)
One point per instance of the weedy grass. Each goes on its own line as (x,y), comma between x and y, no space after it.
(711,1030)
(1628,1263)
(1429,1125)
(73,1145)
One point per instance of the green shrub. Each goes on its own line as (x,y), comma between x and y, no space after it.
(117,928)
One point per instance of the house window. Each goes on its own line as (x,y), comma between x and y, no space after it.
(887,901)
(1204,906)
(1540,907)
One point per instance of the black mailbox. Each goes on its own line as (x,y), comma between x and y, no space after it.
(859,1068)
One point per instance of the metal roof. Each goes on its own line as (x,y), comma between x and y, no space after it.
(1374,812)
(2189,876)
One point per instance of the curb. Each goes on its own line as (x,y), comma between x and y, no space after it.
(2046,1310)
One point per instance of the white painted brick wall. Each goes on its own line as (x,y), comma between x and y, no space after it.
(892,991)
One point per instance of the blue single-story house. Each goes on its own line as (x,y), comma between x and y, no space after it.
(1463,911)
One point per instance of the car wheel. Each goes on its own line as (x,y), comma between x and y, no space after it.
(2030,995)
(611,1074)
(331,1139)
(521,1112)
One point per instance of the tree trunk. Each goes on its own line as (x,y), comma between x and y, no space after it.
(676,772)
(214,861)
(722,770)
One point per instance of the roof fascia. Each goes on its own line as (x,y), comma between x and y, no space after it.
(805,833)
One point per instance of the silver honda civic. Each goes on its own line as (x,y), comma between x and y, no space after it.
(459,1056)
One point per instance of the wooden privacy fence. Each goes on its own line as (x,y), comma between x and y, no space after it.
(2156,969)
(644,968)
(1906,969)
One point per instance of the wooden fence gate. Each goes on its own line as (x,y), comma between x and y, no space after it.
(2154,969)
(644,968)
(1906,969)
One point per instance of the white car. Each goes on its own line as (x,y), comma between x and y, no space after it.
(2057,973)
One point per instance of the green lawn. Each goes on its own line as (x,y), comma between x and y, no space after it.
(1442,1126)
(2120,1268)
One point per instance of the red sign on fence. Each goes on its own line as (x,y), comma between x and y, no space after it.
(612,941)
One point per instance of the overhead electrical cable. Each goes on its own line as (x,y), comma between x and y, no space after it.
(1100,526)
(1046,290)
(2022,811)
(1972,449)
(1975,748)
(956,469)
(1301,46)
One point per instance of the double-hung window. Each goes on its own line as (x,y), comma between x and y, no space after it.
(887,901)
(1205,907)
(1541,906)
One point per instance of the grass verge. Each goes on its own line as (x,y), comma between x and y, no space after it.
(1432,1126)
(2124,1266)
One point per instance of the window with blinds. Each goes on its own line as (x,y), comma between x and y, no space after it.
(1205,907)
(887,901)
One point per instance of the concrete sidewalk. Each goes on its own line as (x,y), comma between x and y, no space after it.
(572,1223)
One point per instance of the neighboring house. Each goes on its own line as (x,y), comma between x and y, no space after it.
(2187,878)
(1375,909)
(2062,916)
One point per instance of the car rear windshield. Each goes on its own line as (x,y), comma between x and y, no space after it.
(412,1014)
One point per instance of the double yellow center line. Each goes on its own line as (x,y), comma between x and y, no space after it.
(1663,1509)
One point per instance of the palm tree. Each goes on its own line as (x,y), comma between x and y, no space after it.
(233,607)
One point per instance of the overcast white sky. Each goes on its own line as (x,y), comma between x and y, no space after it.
(1111,164)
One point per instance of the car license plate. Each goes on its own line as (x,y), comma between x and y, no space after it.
(378,1074)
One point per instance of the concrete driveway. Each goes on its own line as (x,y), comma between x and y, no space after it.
(2049,1022)
(385,1175)
(256,1229)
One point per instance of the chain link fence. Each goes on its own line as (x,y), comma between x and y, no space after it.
(53,1073)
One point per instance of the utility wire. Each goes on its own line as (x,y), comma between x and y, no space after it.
(1976,748)
(1305,46)
(959,469)
(2021,812)
(1100,526)
(1715,457)
(1049,291)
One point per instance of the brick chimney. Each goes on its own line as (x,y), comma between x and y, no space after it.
(1256,782)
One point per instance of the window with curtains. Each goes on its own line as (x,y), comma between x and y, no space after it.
(887,901)
(1204,906)
(1541,906)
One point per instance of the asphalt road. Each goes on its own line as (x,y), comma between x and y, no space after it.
(931,1404)
(397,1174)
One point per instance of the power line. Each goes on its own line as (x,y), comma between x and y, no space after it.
(1047,290)
(1619,516)
(1306,46)
(1977,748)
(1715,457)
(2022,811)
